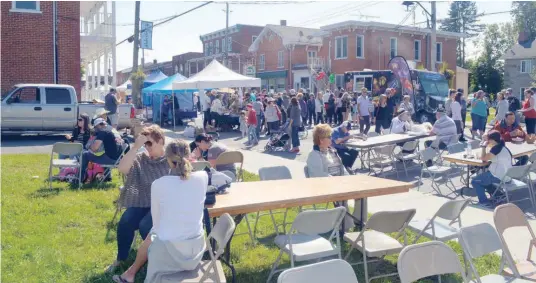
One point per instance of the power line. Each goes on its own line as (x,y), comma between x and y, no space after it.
(343,11)
(168,20)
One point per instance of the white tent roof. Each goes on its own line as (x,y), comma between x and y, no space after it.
(124,86)
(215,75)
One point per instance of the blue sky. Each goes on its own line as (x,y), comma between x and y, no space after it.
(182,34)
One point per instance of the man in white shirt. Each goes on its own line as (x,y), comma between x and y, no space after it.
(400,124)
(206,108)
(363,111)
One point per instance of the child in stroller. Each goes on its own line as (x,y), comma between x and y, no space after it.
(279,140)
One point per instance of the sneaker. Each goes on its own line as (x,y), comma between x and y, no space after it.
(485,204)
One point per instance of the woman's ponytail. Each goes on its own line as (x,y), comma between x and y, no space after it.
(177,152)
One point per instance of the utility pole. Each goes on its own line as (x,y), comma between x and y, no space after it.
(136,37)
(433,37)
(226,52)
(136,83)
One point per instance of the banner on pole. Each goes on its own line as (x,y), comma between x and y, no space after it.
(400,69)
(146,37)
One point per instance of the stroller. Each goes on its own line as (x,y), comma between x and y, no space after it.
(279,140)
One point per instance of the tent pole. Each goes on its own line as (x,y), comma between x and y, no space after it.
(173,97)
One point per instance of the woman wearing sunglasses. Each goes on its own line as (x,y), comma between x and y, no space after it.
(141,170)
(81,132)
(177,239)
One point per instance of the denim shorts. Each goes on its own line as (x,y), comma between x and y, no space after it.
(479,122)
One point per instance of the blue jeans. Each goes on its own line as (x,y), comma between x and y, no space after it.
(259,125)
(252,135)
(134,218)
(89,156)
(294,136)
(482,183)
(479,122)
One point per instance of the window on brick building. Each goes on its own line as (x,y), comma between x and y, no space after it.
(417,50)
(57,96)
(339,81)
(229,44)
(525,66)
(261,62)
(253,38)
(27,95)
(210,48)
(360,46)
(394,47)
(223,46)
(280,59)
(341,47)
(439,52)
(25,6)
(217,47)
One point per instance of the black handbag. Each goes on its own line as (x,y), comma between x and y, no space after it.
(210,196)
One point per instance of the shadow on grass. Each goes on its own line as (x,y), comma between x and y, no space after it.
(45,192)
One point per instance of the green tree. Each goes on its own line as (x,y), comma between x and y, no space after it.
(137,78)
(524,14)
(488,69)
(463,18)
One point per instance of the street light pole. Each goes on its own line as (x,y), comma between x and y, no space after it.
(226,53)
(433,38)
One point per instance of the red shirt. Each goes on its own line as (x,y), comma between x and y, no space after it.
(252,117)
(530,113)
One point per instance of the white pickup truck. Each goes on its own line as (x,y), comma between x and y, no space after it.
(48,109)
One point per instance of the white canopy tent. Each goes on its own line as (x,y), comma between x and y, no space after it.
(125,86)
(215,75)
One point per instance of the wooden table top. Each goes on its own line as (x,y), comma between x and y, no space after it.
(248,197)
(383,140)
(517,150)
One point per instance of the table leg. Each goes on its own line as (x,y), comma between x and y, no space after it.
(361,215)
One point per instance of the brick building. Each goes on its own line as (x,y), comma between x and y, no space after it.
(215,46)
(27,45)
(283,54)
(357,45)
(180,63)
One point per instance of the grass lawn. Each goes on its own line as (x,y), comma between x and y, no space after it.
(60,235)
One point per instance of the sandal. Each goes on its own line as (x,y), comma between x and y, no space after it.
(119,279)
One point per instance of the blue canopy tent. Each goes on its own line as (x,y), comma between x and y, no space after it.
(153,78)
(154,95)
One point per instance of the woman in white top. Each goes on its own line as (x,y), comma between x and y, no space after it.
(177,242)
(501,160)
(502,108)
(456,111)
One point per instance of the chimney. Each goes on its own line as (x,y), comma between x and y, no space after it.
(283,22)
(154,61)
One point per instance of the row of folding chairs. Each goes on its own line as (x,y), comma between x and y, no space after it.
(415,261)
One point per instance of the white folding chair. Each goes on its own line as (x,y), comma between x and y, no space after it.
(108,167)
(335,270)
(516,178)
(438,230)
(383,158)
(480,240)
(232,157)
(434,171)
(209,270)
(405,157)
(508,216)
(305,242)
(68,149)
(374,241)
(267,174)
(428,259)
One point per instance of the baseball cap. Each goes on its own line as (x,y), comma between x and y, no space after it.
(99,121)
(249,105)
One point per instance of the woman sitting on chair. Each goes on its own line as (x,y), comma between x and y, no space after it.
(177,239)
(323,160)
(214,149)
(141,170)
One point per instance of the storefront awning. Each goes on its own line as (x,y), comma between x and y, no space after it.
(272,74)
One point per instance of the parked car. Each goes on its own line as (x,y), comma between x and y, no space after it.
(48,108)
